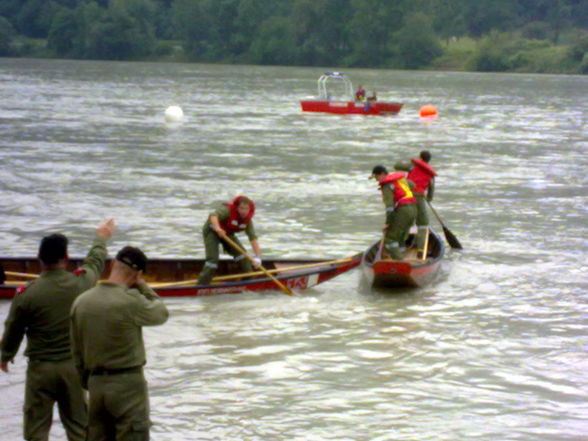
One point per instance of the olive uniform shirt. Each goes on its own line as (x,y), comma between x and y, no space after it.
(41,311)
(106,326)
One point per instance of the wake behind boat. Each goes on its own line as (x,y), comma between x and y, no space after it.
(409,272)
(328,101)
(178,277)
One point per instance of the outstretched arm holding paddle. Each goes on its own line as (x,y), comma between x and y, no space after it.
(260,266)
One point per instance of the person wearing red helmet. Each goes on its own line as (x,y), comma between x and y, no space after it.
(227,220)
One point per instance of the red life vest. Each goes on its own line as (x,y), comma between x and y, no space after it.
(421,174)
(235,223)
(402,193)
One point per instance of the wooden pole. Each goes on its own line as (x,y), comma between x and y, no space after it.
(266,272)
(449,236)
(426,247)
(25,275)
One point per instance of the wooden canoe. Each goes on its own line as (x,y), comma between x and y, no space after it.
(177,277)
(410,272)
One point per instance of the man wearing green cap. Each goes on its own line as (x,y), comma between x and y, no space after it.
(400,208)
(228,219)
(108,348)
(41,312)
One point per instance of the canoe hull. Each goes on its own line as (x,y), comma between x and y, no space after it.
(350,107)
(403,274)
(311,272)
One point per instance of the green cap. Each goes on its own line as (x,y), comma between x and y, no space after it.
(133,257)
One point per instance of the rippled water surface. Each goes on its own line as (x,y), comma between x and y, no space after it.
(495,349)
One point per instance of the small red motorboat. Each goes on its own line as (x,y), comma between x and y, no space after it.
(344,102)
(409,272)
(178,277)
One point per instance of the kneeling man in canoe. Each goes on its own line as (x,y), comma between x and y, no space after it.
(400,207)
(224,222)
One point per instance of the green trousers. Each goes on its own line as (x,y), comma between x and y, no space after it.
(47,383)
(422,220)
(211,244)
(399,222)
(119,408)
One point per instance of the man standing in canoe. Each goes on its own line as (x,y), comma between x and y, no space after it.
(423,176)
(400,208)
(227,220)
(108,348)
(41,312)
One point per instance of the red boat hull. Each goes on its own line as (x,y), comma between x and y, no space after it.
(312,272)
(401,273)
(351,107)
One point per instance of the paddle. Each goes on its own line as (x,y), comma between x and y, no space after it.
(266,272)
(425,248)
(381,247)
(449,236)
(25,275)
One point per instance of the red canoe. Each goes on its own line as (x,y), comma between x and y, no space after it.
(410,272)
(327,103)
(177,277)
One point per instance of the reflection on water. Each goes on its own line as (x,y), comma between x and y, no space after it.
(495,349)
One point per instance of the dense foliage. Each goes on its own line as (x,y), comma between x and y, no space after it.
(494,35)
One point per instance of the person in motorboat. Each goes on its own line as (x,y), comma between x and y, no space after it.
(227,220)
(400,206)
(360,94)
(423,176)
(370,101)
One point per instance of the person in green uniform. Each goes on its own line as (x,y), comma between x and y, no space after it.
(400,208)
(228,219)
(41,312)
(108,348)
(423,176)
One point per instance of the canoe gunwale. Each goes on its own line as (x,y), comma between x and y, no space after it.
(298,279)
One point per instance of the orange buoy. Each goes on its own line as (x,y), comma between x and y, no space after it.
(428,110)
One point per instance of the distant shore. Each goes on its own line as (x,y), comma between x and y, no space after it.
(491,54)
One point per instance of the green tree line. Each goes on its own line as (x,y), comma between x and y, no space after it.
(482,35)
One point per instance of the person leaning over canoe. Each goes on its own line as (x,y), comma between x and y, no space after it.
(41,311)
(400,208)
(228,219)
(423,176)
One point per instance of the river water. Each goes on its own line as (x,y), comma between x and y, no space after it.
(495,349)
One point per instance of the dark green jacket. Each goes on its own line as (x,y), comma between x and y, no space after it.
(106,326)
(41,311)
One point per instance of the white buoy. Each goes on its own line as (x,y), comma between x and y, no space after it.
(174,114)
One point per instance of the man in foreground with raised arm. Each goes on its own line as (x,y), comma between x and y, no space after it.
(40,310)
